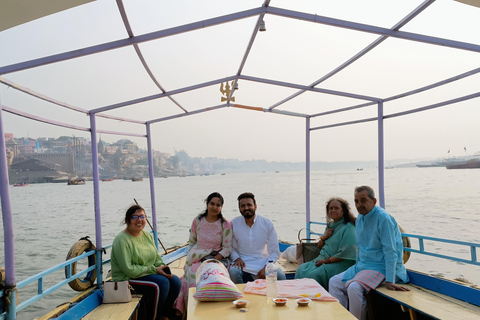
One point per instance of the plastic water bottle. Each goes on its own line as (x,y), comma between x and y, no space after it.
(271,276)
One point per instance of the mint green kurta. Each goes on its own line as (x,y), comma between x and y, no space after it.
(341,245)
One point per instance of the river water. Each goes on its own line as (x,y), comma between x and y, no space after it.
(50,218)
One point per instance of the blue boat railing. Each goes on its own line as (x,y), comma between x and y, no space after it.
(40,277)
(472,246)
(421,246)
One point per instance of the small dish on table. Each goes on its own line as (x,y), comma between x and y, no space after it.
(303,302)
(280,301)
(240,303)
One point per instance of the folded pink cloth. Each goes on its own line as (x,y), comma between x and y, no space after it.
(369,279)
(294,289)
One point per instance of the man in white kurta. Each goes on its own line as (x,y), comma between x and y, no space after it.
(255,243)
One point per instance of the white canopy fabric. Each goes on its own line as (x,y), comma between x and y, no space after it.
(16,12)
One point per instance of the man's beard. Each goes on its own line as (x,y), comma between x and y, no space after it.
(248,214)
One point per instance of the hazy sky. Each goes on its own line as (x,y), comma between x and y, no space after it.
(292,51)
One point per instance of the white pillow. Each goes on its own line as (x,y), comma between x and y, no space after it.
(290,254)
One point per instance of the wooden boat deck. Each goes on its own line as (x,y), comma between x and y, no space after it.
(286,266)
(431,303)
(177,266)
(116,311)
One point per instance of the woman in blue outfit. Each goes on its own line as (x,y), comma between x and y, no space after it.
(135,258)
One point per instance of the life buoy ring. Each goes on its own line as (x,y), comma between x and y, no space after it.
(81,246)
(406,244)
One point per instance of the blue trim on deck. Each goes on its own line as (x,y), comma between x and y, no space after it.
(177,254)
(82,308)
(446,287)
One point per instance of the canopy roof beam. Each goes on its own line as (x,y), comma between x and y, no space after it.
(405,94)
(123,13)
(360,54)
(130,41)
(373,29)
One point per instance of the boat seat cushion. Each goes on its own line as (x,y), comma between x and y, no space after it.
(214,284)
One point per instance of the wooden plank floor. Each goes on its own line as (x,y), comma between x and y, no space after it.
(432,303)
(114,311)
(286,266)
(177,266)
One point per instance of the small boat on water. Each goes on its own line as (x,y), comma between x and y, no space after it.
(76,182)
(21,184)
(431,165)
(431,298)
(467,164)
(137,179)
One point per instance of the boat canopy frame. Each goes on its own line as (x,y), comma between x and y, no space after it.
(258,13)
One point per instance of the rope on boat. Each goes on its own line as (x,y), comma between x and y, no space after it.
(7,294)
(151,228)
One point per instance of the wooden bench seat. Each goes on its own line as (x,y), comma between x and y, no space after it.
(177,266)
(421,303)
(116,311)
(287,267)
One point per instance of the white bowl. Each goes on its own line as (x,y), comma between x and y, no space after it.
(280,301)
(240,303)
(303,302)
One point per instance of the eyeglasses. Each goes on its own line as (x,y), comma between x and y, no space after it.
(137,217)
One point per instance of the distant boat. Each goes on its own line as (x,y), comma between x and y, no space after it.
(467,164)
(76,182)
(21,184)
(359,169)
(429,165)
(223,174)
(277,171)
(137,179)
(105,180)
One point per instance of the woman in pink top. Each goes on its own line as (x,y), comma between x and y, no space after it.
(210,238)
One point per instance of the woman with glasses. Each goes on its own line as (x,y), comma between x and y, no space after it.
(135,258)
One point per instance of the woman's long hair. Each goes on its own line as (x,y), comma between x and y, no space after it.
(347,213)
(207,201)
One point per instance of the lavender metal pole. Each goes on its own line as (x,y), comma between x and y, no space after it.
(152,184)
(307,172)
(7,222)
(96,195)
(381,157)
